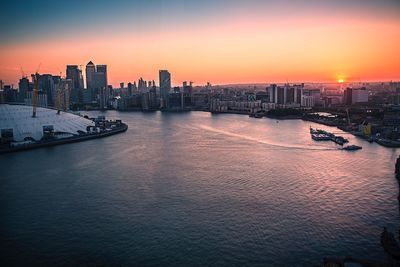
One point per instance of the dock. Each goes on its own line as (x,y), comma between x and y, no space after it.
(121,127)
(322,135)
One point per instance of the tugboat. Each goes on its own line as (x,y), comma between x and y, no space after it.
(352,148)
(340,140)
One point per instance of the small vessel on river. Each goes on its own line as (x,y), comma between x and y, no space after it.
(352,148)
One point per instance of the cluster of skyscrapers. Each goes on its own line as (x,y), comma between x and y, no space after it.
(147,96)
(70,88)
(97,93)
(94,92)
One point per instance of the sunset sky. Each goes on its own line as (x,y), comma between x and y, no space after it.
(221,42)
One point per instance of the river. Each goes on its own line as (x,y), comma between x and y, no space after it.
(196,189)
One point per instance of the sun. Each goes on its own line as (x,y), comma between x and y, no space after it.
(340,80)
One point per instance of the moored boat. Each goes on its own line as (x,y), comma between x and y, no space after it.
(340,140)
(320,137)
(352,148)
(313,131)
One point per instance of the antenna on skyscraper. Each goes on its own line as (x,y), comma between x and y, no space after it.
(22,72)
(59,71)
(38,68)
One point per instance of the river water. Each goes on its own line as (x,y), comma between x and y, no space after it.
(196,189)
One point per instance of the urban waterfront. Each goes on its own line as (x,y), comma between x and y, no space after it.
(184,189)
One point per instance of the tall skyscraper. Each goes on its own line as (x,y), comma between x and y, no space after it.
(97,83)
(102,69)
(130,89)
(23,87)
(298,93)
(142,85)
(90,69)
(187,88)
(165,86)
(272,90)
(153,96)
(75,74)
(281,93)
(100,83)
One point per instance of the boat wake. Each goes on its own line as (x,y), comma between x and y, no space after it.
(264,142)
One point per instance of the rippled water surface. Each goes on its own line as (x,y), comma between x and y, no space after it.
(195,189)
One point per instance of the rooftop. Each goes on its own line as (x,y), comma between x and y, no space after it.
(19,118)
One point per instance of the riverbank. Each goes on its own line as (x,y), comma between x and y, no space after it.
(292,115)
(73,139)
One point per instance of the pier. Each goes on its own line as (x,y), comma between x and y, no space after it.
(73,139)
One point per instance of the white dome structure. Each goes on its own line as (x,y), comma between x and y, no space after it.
(19,118)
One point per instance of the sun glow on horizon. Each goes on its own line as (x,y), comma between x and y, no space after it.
(243,46)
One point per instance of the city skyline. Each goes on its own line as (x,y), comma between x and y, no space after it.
(213,41)
(200,133)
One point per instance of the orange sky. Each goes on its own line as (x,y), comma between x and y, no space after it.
(239,49)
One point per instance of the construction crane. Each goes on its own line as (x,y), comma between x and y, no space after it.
(34,95)
(66,95)
(59,71)
(35,91)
